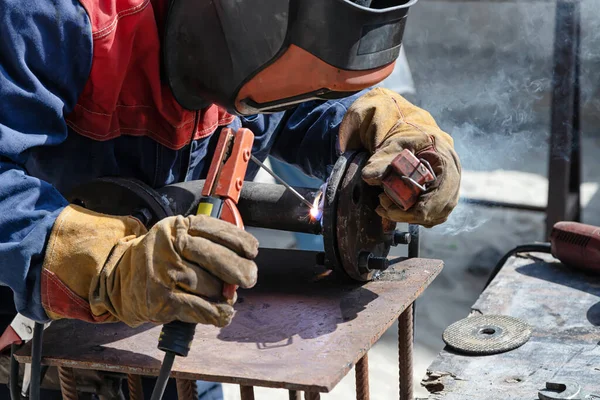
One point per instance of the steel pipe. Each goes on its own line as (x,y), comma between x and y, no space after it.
(261,205)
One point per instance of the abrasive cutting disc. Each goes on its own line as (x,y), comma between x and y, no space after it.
(487,334)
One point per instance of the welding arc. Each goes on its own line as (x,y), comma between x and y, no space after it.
(284,183)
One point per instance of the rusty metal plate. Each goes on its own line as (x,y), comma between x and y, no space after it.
(300,328)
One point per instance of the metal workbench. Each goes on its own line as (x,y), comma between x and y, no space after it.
(301,328)
(561,304)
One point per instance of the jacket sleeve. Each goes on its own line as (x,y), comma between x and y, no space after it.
(305,136)
(45,58)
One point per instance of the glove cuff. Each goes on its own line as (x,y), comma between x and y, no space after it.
(80,243)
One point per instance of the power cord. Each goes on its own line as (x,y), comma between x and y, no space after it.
(532,247)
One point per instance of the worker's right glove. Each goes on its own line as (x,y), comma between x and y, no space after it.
(102,268)
(384,123)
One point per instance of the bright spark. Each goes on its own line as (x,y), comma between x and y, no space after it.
(315,211)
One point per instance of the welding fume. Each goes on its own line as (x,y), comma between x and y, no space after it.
(87,102)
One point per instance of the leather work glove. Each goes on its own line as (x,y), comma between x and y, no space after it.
(384,123)
(103,268)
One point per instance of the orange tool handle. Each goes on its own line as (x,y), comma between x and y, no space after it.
(225,180)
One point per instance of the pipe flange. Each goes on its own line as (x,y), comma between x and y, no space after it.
(332,258)
(359,229)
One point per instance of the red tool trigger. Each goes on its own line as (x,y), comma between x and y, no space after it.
(230,213)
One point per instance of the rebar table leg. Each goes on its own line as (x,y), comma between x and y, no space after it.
(362,378)
(186,389)
(312,396)
(134,383)
(405,353)
(247,392)
(68,387)
(295,395)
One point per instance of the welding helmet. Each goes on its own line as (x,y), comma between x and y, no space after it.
(257,56)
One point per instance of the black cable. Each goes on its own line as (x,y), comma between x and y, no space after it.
(532,247)
(163,376)
(44,370)
(36,361)
(13,380)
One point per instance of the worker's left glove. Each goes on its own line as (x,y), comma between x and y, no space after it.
(385,123)
(106,268)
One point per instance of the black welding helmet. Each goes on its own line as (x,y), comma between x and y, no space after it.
(256,56)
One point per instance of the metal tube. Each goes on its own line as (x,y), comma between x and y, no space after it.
(405,353)
(13,380)
(261,205)
(295,395)
(36,361)
(362,378)
(312,396)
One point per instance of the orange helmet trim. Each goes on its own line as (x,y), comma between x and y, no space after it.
(297,72)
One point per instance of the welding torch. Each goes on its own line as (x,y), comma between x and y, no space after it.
(220,195)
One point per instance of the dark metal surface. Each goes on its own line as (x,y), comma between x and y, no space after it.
(119,196)
(312,396)
(563,307)
(405,353)
(262,205)
(564,173)
(359,228)
(300,328)
(271,206)
(414,247)
(68,387)
(487,334)
(362,378)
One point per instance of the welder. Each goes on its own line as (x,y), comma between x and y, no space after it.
(141,89)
